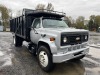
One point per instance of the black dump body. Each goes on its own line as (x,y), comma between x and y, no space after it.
(22,24)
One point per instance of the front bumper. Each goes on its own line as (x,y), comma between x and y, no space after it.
(58,58)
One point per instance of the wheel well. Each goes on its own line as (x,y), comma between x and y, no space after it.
(44,44)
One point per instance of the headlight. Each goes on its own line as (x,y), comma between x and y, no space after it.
(86,37)
(65,39)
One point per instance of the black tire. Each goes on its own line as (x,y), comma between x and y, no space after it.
(17,41)
(50,64)
(32,51)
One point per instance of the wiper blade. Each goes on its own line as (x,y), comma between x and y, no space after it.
(61,26)
(52,25)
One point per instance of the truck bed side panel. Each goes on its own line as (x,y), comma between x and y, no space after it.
(21,26)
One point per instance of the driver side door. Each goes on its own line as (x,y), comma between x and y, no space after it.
(34,34)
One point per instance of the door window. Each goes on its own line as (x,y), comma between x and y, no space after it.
(36,23)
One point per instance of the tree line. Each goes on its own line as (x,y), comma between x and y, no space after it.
(4,19)
(92,24)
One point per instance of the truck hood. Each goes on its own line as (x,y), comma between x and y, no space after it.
(65,30)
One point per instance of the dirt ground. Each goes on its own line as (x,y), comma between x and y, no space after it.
(18,61)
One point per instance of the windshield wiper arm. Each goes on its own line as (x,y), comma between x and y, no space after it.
(61,26)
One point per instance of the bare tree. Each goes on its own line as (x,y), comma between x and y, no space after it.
(50,7)
(40,7)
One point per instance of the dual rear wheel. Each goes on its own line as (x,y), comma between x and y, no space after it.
(17,41)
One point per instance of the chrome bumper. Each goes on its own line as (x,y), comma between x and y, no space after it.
(58,58)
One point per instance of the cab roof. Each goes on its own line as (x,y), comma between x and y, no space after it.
(43,13)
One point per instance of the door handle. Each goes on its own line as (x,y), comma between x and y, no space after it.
(43,35)
(36,33)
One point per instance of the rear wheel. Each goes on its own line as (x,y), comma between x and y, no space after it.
(45,59)
(17,41)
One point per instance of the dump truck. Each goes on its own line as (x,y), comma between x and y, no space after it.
(49,37)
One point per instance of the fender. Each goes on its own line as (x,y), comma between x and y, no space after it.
(52,45)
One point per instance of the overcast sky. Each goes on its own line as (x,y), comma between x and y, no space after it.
(72,8)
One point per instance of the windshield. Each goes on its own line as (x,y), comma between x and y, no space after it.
(54,23)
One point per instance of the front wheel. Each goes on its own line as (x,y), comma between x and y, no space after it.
(45,58)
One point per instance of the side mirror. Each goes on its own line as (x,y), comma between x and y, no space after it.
(32,28)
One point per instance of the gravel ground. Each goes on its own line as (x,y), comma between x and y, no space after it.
(18,61)
(94,38)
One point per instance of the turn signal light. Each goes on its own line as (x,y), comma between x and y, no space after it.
(52,39)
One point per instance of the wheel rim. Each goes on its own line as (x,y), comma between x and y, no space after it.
(43,58)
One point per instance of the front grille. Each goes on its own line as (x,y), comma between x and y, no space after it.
(75,47)
(73,38)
